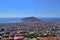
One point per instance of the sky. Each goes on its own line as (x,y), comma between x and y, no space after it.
(27,8)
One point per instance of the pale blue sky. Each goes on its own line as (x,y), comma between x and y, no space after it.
(24,8)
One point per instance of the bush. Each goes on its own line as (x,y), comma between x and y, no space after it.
(31,36)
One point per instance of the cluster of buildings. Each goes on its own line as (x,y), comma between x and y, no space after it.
(21,35)
(41,28)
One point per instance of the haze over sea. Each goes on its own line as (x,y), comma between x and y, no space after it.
(17,20)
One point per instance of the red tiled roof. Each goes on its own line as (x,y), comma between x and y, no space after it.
(44,38)
(18,37)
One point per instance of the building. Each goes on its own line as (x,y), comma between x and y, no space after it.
(18,37)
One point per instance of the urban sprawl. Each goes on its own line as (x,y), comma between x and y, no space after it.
(30,29)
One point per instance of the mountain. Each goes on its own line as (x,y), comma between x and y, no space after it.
(31,19)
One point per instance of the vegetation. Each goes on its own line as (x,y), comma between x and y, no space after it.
(31,36)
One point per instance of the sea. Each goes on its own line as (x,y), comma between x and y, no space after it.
(17,20)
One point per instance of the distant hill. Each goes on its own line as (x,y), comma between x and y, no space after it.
(31,19)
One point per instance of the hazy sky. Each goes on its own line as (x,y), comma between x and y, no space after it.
(24,8)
